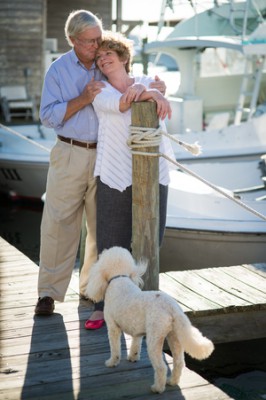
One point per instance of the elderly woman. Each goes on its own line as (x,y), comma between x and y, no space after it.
(113,167)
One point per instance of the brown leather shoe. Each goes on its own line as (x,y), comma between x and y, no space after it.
(44,306)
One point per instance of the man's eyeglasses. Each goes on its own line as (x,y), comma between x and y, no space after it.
(89,42)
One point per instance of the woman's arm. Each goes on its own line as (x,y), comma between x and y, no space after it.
(163,105)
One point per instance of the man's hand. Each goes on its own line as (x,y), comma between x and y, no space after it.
(158,84)
(86,98)
(91,90)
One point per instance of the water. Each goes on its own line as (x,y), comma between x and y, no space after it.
(20,225)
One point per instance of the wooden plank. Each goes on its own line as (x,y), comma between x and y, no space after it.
(247,277)
(188,299)
(19,280)
(204,282)
(259,269)
(24,303)
(25,313)
(229,283)
(58,370)
(118,385)
(239,316)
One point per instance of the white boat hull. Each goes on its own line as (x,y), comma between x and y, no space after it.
(206,229)
(184,249)
(22,179)
(24,165)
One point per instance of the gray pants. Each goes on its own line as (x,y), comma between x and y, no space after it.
(114,218)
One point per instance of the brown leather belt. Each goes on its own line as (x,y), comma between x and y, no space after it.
(77,143)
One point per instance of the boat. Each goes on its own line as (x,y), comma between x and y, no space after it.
(220,55)
(220,104)
(246,140)
(205,229)
(24,160)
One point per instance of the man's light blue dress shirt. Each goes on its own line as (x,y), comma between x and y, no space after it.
(66,79)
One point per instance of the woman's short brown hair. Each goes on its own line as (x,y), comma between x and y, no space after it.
(120,44)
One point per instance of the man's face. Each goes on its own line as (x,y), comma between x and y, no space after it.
(86,43)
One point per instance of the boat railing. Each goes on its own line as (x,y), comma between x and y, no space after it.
(250,87)
(234,14)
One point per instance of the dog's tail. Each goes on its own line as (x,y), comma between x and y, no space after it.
(191,339)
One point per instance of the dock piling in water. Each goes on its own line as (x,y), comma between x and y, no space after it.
(145,197)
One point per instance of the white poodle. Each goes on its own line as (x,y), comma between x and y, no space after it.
(116,278)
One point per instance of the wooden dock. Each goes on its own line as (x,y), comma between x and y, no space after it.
(56,358)
(227,303)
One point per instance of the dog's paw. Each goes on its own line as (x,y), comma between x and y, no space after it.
(133,357)
(172,382)
(112,362)
(157,389)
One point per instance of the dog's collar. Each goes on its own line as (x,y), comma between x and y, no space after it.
(117,276)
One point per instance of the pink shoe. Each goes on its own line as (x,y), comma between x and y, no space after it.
(97,324)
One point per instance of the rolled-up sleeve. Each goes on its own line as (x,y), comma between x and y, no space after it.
(53,107)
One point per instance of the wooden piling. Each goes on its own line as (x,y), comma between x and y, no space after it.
(145,197)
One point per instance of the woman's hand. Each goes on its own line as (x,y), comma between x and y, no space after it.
(138,92)
(133,92)
(163,105)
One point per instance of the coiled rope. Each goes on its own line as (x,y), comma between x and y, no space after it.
(150,137)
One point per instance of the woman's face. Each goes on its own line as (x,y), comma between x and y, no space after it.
(109,61)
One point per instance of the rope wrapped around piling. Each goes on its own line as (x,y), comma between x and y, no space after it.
(151,137)
(144,137)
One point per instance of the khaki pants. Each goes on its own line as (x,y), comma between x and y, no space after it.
(70,187)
